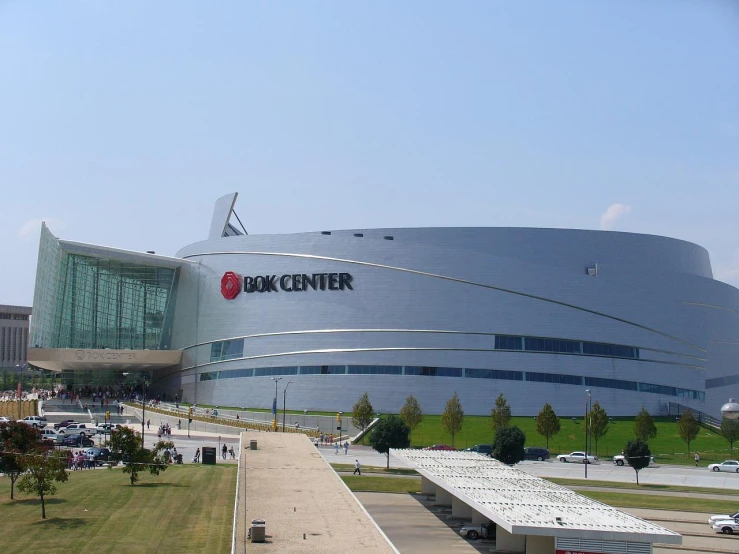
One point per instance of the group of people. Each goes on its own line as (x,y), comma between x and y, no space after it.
(80,460)
(226,451)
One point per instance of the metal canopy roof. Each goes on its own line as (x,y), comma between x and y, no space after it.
(525,504)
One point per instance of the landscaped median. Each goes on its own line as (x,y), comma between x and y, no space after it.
(188,508)
(618,498)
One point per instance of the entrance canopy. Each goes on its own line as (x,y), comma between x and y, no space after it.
(58,359)
(524,504)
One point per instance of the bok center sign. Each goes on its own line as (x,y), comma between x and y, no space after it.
(232,283)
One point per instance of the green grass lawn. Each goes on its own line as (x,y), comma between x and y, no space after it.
(382,484)
(634,486)
(667,444)
(376,469)
(626,500)
(185,509)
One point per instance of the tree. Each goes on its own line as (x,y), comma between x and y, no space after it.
(547,423)
(42,472)
(453,416)
(501,414)
(730,431)
(637,455)
(508,445)
(17,440)
(126,443)
(644,427)
(390,432)
(362,412)
(411,412)
(6,382)
(687,427)
(598,424)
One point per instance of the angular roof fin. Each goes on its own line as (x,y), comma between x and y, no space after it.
(220,225)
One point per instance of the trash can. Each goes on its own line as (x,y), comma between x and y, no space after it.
(252,445)
(209,455)
(257,531)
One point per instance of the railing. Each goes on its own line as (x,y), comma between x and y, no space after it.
(675,409)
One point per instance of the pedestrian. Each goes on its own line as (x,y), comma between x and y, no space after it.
(197,456)
(179,424)
(232,453)
(148,422)
(336,448)
(356,468)
(224,451)
(346,447)
(697,459)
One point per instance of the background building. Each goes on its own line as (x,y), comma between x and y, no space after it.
(14,323)
(540,315)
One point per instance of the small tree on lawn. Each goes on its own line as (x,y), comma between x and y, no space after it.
(501,414)
(453,416)
(730,431)
(508,445)
(16,441)
(644,427)
(126,443)
(687,427)
(390,432)
(547,423)
(637,455)
(362,412)
(43,471)
(598,424)
(411,412)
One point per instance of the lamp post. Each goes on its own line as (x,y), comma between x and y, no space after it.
(588,400)
(143,407)
(22,370)
(284,401)
(274,404)
(305,412)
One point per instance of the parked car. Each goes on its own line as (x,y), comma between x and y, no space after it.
(78,429)
(63,423)
(578,458)
(726,526)
(478,531)
(621,460)
(4,420)
(536,453)
(48,434)
(439,447)
(77,441)
(104,428)
(726,465)
(100,455)
(486,449)
(713,519)
(34,420)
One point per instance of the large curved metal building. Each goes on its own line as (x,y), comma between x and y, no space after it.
(541,315)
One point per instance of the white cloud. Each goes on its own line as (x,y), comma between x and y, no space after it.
(31,228)
(610,217)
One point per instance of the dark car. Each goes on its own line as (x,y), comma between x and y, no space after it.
(535,453)
(486,449)
(100,455)
(77,441)
(63,423)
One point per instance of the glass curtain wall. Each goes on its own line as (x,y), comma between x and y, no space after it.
(103,303)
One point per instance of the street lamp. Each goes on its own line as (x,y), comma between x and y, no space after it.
(588,407)
(284,400)
(22,370)
(143,407)
(305,412)
(274,404)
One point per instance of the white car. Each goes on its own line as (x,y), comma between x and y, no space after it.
(578,458)
(621,460)
(726,526)
(34,420)
(77,429)
(719,517)
(49,434)
(107,428)
(726,465)
(4,420)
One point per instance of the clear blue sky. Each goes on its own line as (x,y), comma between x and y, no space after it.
(122,122)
